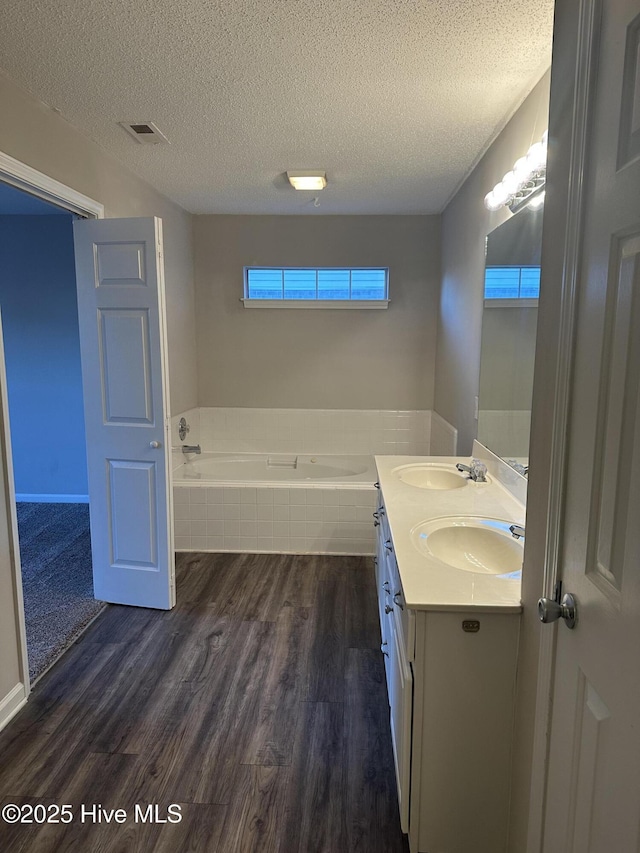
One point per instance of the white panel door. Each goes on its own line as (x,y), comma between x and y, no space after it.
(593,793)
(119,269)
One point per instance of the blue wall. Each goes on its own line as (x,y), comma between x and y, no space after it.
(42,352)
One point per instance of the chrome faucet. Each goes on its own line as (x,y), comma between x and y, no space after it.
(477,470)
(517,531)
(191,448)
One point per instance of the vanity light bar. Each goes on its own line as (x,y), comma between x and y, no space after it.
(525,179)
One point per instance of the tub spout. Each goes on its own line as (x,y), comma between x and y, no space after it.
(191,448)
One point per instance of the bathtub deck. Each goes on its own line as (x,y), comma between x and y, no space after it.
(259,704)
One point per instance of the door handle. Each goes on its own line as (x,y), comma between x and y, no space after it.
(155,444)
(550,610)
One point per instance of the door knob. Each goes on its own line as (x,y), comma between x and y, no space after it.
(550,610)
(155,444)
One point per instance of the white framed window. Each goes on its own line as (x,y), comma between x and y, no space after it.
(513,286)
(316,287)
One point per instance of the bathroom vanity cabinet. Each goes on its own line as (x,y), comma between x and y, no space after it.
(451,683)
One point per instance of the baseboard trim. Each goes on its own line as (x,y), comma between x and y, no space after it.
(23,497)
(12,703)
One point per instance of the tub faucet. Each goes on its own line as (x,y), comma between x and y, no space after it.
(517,531)
(191,448)
(477,470)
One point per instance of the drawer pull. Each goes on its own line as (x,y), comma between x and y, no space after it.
(395,600)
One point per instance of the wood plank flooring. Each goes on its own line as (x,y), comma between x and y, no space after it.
(258,705)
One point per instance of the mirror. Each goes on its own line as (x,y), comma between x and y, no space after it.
(509,320)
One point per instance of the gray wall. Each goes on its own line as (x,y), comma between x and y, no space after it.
(507,358)
(465,225)
(360,359)
(35,135)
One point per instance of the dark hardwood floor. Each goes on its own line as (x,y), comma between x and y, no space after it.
(258,705)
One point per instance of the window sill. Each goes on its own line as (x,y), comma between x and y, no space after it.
(316,303)
(511,303)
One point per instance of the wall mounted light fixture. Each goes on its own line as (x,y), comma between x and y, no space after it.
(524,183)
(309,180)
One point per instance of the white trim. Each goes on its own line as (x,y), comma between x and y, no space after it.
(583,92)
(30,180)
(511,303)
(15,699)
(12,521)
(24,497)
(315,303)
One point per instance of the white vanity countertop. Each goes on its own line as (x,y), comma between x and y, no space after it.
(429,584)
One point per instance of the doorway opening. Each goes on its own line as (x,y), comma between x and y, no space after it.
(44,389)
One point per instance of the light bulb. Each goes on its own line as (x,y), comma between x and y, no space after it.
(537,156)
(500,195)
(521,171)
(510,183)
(490,201)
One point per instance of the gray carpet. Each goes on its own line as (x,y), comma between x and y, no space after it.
(57,579)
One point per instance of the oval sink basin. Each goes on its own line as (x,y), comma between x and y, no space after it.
(431,476)
(481,545)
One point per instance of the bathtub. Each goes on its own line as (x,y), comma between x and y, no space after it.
(275,503)
(254,468)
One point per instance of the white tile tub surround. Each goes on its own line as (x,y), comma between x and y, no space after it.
(328,431)
(443,437)
(275,520)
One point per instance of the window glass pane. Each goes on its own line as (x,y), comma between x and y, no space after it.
(530,283)
(300,284)
(502,283)
(327,283)
(368,284)
(333,284)
(264,284)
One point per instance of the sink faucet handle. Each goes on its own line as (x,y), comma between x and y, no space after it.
(517,531)
(478,471)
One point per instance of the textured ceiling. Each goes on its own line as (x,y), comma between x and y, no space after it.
(395,99)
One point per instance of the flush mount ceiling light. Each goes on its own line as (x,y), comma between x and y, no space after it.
(523,183)
(309,180)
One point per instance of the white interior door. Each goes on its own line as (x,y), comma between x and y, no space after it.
(119,269)
(593,783)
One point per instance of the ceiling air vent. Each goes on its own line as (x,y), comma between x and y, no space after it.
(145,132)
